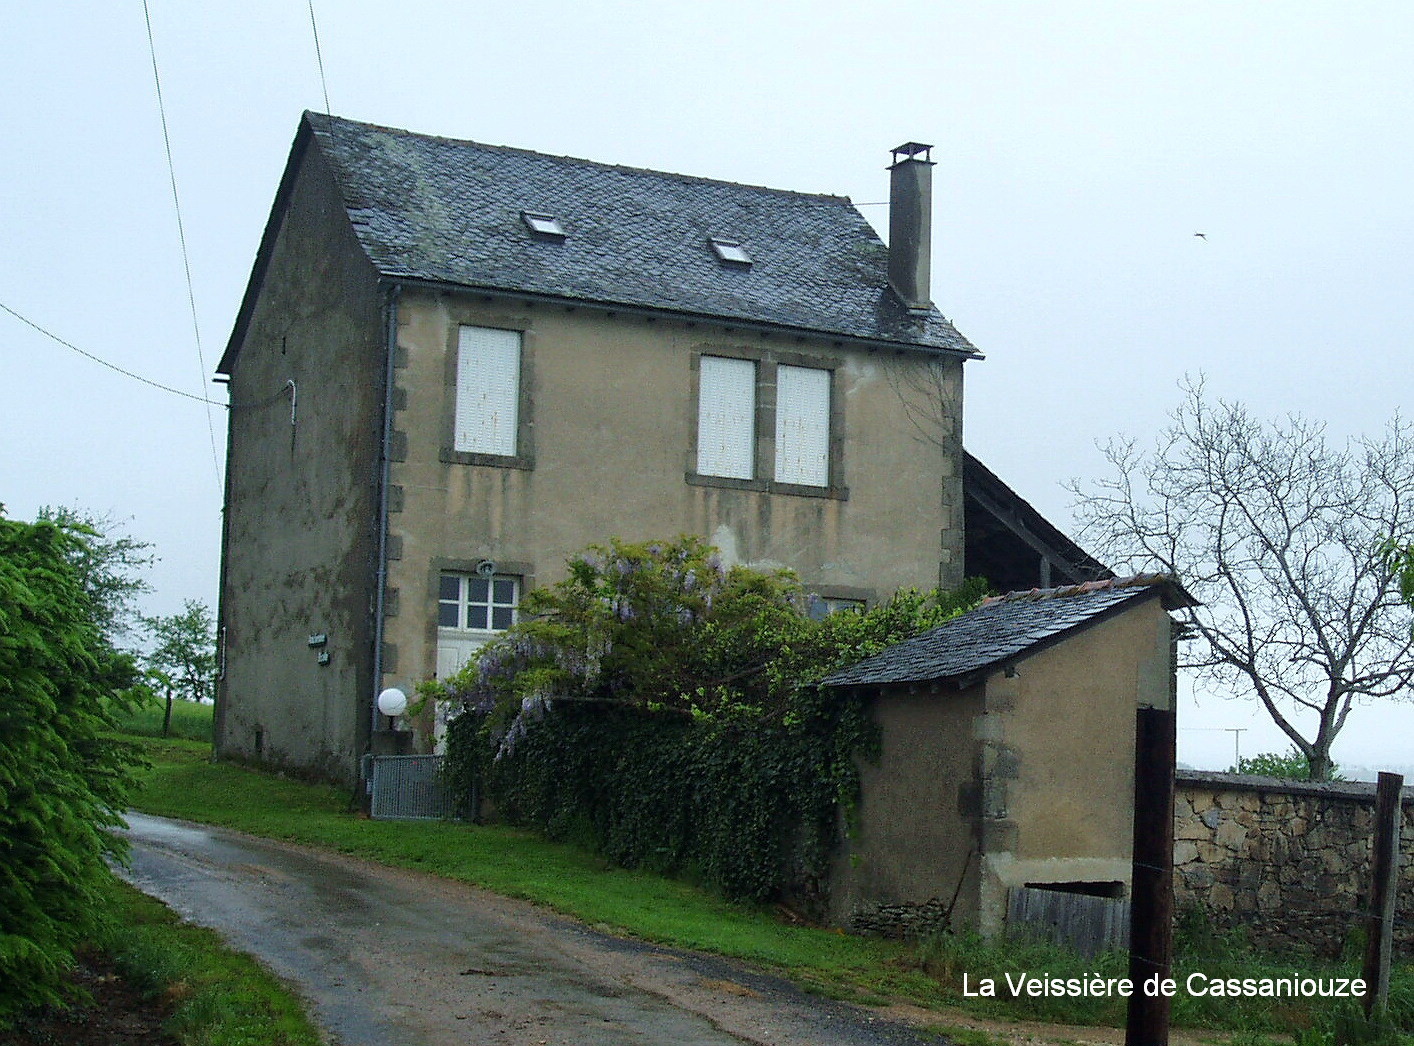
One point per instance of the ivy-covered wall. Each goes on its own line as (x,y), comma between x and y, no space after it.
(739,803)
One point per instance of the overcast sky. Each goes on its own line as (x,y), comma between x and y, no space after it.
(1080,146)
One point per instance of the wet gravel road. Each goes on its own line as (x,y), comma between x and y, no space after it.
(394,958)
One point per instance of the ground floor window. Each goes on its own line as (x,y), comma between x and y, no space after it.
(471,603)
(820,607)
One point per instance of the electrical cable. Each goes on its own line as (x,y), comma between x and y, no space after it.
(138,377)
(181,234)
(319,57)
(99,360)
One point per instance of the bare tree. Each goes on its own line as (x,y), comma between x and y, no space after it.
(1283,537)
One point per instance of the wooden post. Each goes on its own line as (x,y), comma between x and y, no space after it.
(1151,904)
(1384,872)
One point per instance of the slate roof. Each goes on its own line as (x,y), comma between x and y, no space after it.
(1003,628)
(448,211)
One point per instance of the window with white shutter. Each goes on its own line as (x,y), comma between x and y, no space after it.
(803,426)
(488,391)
(726,417)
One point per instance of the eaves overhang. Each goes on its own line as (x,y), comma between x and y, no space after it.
(684,316)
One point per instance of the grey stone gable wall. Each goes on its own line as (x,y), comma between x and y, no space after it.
(448,211)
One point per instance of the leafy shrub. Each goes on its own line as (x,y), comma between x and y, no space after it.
(663,709)
(62,782)
(1292,766)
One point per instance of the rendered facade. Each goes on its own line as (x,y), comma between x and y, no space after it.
(457,364)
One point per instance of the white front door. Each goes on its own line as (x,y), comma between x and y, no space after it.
(454,649)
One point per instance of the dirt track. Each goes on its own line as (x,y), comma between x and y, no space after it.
(392,957)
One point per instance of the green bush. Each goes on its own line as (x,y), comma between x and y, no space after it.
(747,806)
(664,710)
(1292,766)
(63,782)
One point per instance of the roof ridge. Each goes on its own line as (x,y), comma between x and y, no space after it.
(1142,580)
(602,165)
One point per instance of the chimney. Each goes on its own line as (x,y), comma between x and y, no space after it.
(911,224)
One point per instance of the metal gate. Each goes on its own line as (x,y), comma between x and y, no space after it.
(407,788)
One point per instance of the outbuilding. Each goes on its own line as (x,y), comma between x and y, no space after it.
(1007,756)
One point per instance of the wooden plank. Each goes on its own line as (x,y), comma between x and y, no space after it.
(1088,925)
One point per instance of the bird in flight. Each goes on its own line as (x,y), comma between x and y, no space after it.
(1201,235)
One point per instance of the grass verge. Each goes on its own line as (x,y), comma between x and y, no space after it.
(217,997)
(190,720)
(184,783)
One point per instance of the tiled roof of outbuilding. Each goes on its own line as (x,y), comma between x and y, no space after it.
(447,211)
(1003,628)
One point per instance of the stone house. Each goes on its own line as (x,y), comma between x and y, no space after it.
(1007,755)
(457,364)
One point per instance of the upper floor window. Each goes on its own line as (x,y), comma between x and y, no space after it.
(803,426)
(742,443)
(469,602)
(726,417)
(488,391)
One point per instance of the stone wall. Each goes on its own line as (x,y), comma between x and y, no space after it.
(903,920)
(1288,862)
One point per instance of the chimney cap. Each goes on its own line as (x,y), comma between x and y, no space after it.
(910,151)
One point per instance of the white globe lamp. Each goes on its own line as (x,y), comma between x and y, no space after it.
(392,702)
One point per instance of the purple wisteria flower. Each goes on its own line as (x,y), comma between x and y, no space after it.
(532,709)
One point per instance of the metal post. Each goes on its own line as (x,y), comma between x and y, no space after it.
(1236,732)
(1384,870)
(1151,907)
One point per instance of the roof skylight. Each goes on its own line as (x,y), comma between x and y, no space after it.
(730,251)
(543,225)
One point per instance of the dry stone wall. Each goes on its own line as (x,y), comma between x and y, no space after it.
(1287,862)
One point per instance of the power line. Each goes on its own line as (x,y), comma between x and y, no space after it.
(288,387)
(111,366)
(181,235)
(319,57)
